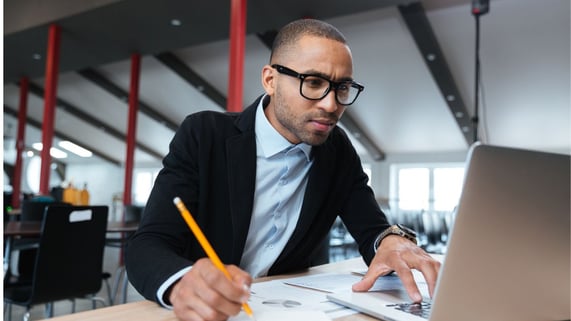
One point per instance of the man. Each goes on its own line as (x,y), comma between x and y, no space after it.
(265,185)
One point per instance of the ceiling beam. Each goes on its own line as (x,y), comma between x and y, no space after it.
(267,38)
(75,111)
(418,25)
(349,122)
(106,84)
(29,121)
(194,79)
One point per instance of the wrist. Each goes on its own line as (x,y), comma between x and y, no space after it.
(397,229)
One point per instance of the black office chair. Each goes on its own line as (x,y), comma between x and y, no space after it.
(133,213)
(69,260)
(31,210)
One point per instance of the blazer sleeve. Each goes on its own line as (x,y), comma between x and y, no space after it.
(160,247)
(360,212)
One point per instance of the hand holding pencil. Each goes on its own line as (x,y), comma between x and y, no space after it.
(199,265)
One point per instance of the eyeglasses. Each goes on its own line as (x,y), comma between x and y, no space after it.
(316,87)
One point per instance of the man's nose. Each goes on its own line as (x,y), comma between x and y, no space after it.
(329,102)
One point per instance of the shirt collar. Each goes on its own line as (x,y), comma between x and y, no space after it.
(269,141)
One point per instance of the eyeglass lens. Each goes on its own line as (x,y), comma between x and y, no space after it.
(314,87)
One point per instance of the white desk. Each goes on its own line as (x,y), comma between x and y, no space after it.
(150,311)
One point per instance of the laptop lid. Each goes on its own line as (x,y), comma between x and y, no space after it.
(509,253)
(508,256)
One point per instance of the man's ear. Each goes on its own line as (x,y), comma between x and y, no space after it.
(268,79)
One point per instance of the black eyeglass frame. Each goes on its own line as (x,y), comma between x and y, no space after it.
(332,84)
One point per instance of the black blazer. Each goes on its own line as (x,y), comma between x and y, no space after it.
(211,166)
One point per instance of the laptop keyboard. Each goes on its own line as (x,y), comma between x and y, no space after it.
(421,309)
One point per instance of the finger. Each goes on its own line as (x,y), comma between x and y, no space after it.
(219,301)
(407,279)
(195,311)
(197,293)
(430,271)
(187,302)
(184,313)
(187,306)
(242,279)
(373,273)
(365,284)
(220,293)
(236,289)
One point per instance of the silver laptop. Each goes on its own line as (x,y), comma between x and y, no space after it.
(508,256)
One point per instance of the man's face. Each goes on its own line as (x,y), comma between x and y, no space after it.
(299,119)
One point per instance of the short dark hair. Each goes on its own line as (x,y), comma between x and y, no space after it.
(290,34)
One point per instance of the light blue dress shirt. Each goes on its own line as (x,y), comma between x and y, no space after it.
(281,178)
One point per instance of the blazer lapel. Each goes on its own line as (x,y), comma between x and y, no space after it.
(241,166)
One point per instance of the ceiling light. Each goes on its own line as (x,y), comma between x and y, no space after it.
(37,56)
(176,22)
(76,149)
(54,152)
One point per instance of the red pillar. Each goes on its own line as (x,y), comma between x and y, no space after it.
(20,142)
(131,127)
(52,69)
(237,45)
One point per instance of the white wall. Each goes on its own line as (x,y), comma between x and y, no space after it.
(103,182)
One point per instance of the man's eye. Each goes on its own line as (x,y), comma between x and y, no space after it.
(344,87)
(314,82)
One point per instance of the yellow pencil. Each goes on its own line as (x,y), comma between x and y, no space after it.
(206,245)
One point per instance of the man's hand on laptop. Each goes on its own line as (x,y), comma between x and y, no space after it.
(398,254)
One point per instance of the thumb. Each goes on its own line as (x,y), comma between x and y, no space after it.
(373,273)
(365,284)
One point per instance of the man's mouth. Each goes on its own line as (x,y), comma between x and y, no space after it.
(323,124)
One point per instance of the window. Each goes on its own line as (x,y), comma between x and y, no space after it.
(368,170)
(413,188)
(447,186)
(144,180)
(434,187)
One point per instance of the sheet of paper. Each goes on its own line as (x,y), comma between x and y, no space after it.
(277,296)
(283,315)
(335,282)
(327,282)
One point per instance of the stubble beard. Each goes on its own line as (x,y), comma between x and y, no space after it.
(296,125)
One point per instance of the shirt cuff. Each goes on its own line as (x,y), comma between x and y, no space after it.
(377,242)
(167,284)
